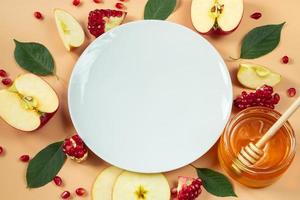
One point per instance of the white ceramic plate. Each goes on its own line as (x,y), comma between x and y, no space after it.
(150,96)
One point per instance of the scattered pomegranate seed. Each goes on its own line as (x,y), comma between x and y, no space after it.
(291,92)
(3,73)
(123,0)
(261,97)
(7,81)
(65,195)
(97,1)
(57,180)
(38,15)
(1,150)
(76,2)
(285,59)
(256,15)
(80,191)
(120,6)
(24,158)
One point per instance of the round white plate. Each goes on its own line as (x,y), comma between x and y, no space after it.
(150,96)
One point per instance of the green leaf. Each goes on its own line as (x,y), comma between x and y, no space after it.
(159,9)
(215,183)
(34,57)
(260,41)
(45,165)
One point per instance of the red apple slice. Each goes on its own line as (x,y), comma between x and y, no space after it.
(131,186)
(29,103)
(70,31)
(12,111)
(103,185)
(216,16)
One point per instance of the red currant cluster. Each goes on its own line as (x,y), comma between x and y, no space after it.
(261,97)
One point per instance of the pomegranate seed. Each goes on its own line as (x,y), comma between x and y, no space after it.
(291,92)
(76,2)
(276,98)
(1,150)
(256,15)
(80,191)
(174,192)
(97,1)
(7,81)
(285,59)
(57,180)
(123,0)
(3,73)
(24,158)
(38,15)
(120,6)
(261,97)
(65,195)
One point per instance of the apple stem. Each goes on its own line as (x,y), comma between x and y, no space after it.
(232,58)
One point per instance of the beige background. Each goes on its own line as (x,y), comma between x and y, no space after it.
(17,21)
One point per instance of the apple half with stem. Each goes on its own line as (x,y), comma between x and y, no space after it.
(29,103)
(136,186)
(70,31)
(216,16)
(254,76)
(104,183)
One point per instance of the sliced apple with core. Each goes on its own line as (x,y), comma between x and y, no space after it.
(29,103)
(103,185)
(70,31)
(216,16)
(254,76)
(135,186)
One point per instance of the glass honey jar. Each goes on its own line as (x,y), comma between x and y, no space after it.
(248,126)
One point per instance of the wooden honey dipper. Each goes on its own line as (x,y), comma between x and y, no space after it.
(251,153)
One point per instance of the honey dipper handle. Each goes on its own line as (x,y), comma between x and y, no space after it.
(278,124)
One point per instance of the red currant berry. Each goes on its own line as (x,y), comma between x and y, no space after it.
(6,81)
(65,195)
(76,2)
(291,92)
(38,15)
(57,180)
(80,191)
(3,73)
(285,59)
(24,158)
(256,15)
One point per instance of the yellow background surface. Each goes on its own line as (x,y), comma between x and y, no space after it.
(17,21)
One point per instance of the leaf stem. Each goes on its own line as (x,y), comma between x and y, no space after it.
(193,166)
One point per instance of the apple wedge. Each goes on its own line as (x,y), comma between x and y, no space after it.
(254,76)
(135,186)
(216,16)
(70,31)
(29,103)
(103,185)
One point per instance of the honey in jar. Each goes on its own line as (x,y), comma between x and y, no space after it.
(249,126)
